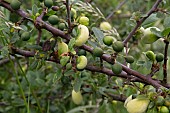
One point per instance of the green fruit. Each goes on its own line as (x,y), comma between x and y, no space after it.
(149,37)
(160,101)
(48,3)
(137,105)
(129,59)
(164,109)
(25,36)
(77,97)
(118,46)
(82,36)
(108,40)
(116,68)
(61,26)
(62,48)
(150,55)
(81,62)
(81,52)
(97,52)
(53,19)
(159,57)
(15,4)
(84,20)
(105,26)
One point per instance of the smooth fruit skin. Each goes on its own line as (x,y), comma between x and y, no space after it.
(159,57)
(48,3)
(81,52)
(15,4)
(129,59)
(150,55)
(108,40)
(82,36)
(164,109)
(118,46)
(73,13)
(77,97)
(148,36)
(25,36)
(116,68)
(61,26)
(81,62)
(105,26)
(137,105)
(62,48)
(97,52)
(84,20)
(53,19)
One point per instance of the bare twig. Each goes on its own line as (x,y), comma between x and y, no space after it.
(68,16)
(152,10)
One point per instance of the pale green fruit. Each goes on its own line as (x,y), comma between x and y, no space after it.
(105,26)
(62,48)
(137,105)
(149,37)
(81,62)
(84,20)
(82,36)
(77,97)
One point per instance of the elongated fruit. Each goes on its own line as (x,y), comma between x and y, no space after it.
(81,62)
(77,97)
(137,105)
(62,48)
(82,36)
(15,4)
(129,59)
(149,37)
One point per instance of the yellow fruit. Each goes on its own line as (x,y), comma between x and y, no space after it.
(81,62)
(82,36)
(137,105)
(62,48)
(77,97)
(105,26)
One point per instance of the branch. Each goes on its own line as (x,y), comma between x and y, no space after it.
(165,61)
(139,23)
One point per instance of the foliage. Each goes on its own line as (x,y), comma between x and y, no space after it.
(46,54)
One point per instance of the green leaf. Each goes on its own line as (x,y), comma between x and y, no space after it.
(34,64)
(77,84)
(166,32)
(34,9)
(81,108)
(151,19)
(64,60)
(57,75)
(98,34)
(166,22)
(35,47)
(5,51)
(71,44)
(156,32)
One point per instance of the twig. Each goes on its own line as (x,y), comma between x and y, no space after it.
(117,8)
(152,10)
(68,16)
(165,61)
(39,36)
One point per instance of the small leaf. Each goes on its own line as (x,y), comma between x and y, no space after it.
(34,9)
(77,84)
(167,22)
(98,34)
(36,47)
(156,32)
(64,60)
(58,75)
(71,44)
(166,31)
